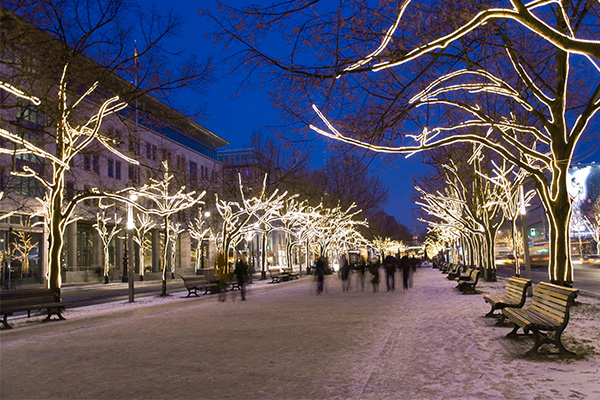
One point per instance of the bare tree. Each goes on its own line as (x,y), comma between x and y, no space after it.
(161,198)
(542,142)
(106,234)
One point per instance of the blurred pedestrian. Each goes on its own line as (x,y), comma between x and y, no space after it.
(374,270)
(406,267)
(389,263)
(360,271)
(241,274)
(413,268)
(345,273)
(320,267)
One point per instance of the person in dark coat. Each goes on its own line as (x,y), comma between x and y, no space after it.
(361,276)
(345,272)
(405,265)
(389,264)
(241,273)
(321,266)
(374,270)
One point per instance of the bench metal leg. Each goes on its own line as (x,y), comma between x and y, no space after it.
(57,312)
(542,338)
(5,322)
(491,313)
(514,333)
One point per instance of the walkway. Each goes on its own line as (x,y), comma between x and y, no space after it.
(287,343)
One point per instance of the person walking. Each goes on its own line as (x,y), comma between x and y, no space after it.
(345,272)
(405,265)
(241,273)
(374,270)
(320,267)
(361,276)
(389,264)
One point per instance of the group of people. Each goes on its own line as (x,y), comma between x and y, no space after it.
(406,265)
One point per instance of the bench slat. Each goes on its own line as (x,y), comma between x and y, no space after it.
(27,300)
(549,311)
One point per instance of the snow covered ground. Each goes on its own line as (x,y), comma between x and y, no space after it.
(286,342)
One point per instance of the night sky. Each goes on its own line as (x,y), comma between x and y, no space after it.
(235,112)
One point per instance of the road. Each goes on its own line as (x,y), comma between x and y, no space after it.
(586,275)
(87,295)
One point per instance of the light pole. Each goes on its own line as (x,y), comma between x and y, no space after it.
(250,245)
(525,234)
(129,240)
(206,216)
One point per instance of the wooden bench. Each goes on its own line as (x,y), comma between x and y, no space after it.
(468,285)
(27,300)
(193,283)
(454,272)
(277,275)
(548,311)
(290,272)
(514,296)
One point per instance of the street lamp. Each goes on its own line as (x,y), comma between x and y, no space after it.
(129,245)
(202,248)
(524,233)
(250,245)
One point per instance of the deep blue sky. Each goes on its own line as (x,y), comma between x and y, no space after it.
(234,112)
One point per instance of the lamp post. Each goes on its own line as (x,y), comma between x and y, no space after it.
(250,245)
(129,244)
(525,234)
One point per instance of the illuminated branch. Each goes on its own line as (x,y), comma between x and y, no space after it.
(106,234)
(164,205)
(543,148)
(69,140)
(257,212)
(520,13)
(140,231)
(24,245)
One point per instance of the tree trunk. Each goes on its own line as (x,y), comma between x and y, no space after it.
(558,209)
(55,240)
(167,247)
(560,266)
(263,258)
(490,256)
(515,246)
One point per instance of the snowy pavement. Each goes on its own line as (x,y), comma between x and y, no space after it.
(286,342)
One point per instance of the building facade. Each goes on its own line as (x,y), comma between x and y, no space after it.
(147,130)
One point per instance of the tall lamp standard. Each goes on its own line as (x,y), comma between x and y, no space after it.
(202,249)
(525,235)
(129,240)
(250,245)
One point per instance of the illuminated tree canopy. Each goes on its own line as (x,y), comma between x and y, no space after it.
(508,77)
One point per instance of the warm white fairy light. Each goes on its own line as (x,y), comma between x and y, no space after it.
(520,13)
(140,236)
(541,160)
(19,93)
(106,234)
(199,231)
(258,211)
(165,204)
(69,141)
(511,198)
(24,244)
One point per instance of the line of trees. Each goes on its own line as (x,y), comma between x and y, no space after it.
(516,78)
